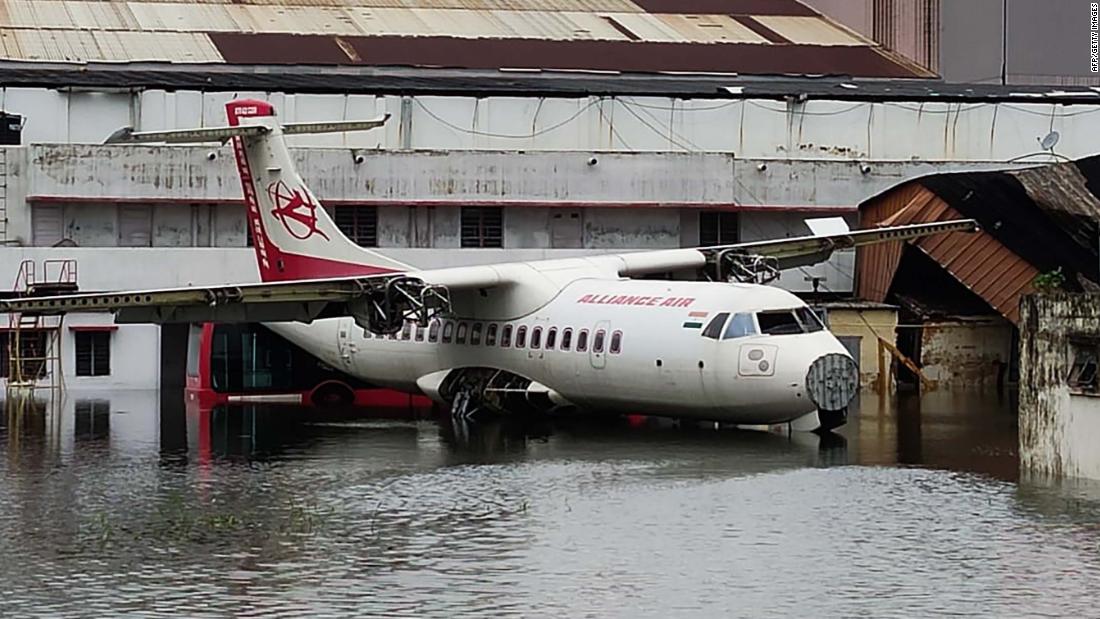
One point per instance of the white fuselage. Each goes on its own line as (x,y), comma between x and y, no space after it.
(643,349)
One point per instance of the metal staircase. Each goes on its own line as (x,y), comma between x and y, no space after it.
(34,340)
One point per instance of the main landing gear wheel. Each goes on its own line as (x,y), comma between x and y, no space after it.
(466,404)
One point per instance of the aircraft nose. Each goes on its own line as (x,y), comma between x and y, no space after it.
(832,381)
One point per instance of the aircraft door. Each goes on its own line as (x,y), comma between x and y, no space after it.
(345,342)
(597,347)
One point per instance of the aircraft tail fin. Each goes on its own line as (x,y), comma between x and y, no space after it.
(292,234)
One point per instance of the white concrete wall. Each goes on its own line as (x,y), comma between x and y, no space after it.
(896,131)
(1082,427)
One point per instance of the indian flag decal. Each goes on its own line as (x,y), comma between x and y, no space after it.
(695,320)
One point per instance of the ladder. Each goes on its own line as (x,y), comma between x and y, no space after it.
(34,340)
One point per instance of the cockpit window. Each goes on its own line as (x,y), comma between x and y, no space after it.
(810,322)
(714,327)
(778,323)
(740,325)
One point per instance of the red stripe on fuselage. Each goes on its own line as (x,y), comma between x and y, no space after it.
(295,266)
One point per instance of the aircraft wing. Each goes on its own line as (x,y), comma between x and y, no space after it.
(303,300)
(393,296)
(807,250)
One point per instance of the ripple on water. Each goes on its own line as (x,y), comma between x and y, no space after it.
(384,519)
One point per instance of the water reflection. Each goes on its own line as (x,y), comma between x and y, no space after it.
(133,504)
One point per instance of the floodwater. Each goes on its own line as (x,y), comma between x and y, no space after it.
(125,505)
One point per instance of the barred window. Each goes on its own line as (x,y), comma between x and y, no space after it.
(358,223)
(93,353)
(482,226)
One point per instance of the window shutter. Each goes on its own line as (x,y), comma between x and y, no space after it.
(135,226)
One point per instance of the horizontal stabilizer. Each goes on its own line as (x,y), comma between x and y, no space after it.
(127,135)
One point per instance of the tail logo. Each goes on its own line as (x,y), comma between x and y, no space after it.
(295,210)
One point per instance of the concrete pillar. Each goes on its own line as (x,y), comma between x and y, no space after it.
(1059,395)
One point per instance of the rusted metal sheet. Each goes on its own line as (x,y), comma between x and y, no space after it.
(728,7)
(577,54)
(979,261)
(876,264)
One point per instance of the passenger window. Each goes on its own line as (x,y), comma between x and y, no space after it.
(810,322)
(616,342)
(597,342)
(420,333)
(367,334)
(394,335)
(778,323)
(406,332)
(551,338)
(714,328)
(460,335)
(536,337)
(740,326)
(506,336)
(521,337)
(475,334)
(491,335)
(582,340)
(433,331)
(566,339)
(448,331)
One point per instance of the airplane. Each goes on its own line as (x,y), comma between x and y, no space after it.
(584,333)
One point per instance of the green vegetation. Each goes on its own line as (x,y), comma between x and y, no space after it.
(1049,281)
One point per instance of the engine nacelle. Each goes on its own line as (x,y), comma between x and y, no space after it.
(385,307)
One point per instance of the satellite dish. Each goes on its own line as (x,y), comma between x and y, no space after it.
(1050,141)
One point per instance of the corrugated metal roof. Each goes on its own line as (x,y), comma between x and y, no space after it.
(106,46)
(775,36)
(705,28)
(1033,221)
(809,30)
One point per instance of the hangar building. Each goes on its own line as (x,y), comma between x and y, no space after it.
(518,130)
